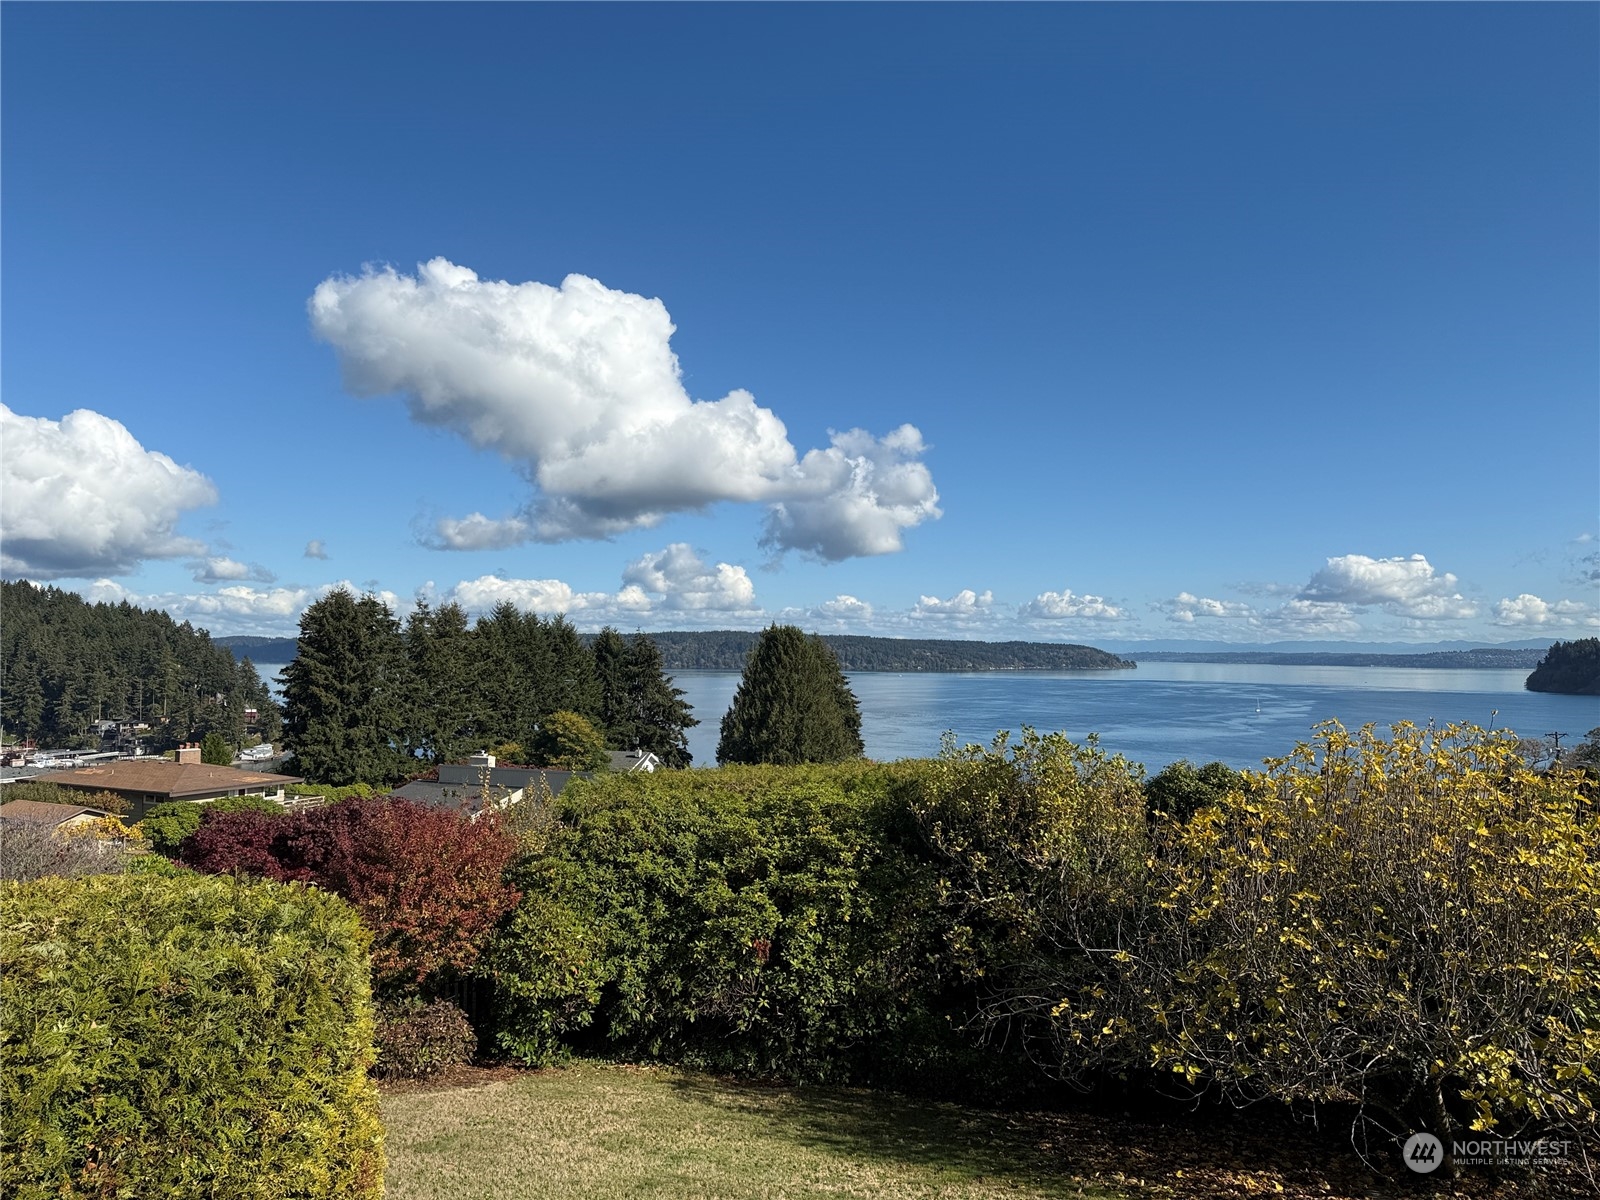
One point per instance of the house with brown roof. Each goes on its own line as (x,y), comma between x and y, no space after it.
(145,783)
(52,816)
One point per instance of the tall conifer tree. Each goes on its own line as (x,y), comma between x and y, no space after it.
(345,692)
(793,705)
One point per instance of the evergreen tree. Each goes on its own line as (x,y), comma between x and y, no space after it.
(443,718)
(214,749)
(345,692)
(657,713)
(793,705)
(611,674)
(571,685)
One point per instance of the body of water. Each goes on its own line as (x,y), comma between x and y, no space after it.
(1161,712)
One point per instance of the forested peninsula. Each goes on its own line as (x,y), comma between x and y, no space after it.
(727,649)
(1570,668)
(66,664)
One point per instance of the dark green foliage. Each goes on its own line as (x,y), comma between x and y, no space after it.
(444,718)
(569,742)
(214,749)
(793,705)
(1180,789)
(345,693)
(727,650)
(416,1040)
(1572,668)
(639,707)
(768,920)
(66,663)
(166,825)
(185,1036)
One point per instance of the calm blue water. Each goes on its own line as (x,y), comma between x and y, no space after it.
(1161,711)
(1166,711)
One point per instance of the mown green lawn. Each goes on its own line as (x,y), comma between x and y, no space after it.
(600,1131)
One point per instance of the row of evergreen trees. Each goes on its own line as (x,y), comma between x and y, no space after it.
(66,663)
(368,698)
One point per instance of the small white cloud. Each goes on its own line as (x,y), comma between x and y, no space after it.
(1408,587)
(543,596)
(224,570)
(685,582)
(843,608)
(478,532)
(674,580)
(1530,610)
(1185,607)
(316,548)
(82,497)
(965,603)
(1066,605)
(578,386)
(1311,618)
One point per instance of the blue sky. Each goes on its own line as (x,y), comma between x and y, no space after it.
(1246,323)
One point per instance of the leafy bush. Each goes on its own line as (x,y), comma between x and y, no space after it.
(427,881)
(416,1040)
(166,825)
(30,851)
(1181,789)
(1408,924)
(767,920)
(185,1037)
(335,792)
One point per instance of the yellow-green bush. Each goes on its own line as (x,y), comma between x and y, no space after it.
(188,1036)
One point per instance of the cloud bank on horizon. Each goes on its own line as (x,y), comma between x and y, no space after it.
(579,387)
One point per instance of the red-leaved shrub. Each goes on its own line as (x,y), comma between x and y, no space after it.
(428,882)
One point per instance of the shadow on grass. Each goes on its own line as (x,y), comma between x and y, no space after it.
(877,1128)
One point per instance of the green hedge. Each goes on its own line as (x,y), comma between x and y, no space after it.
(766,920)
(189,1036)
(166,825)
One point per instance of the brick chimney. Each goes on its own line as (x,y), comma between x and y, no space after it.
(189,752)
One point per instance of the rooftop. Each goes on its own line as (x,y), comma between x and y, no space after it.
(37,812)
(168,778)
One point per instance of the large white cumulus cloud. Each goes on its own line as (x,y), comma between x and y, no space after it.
(81,497)
(1409,587)
(579,386)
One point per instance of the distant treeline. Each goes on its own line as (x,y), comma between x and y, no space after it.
(1571,668)
(725,650)
(1518,659)
(68,663)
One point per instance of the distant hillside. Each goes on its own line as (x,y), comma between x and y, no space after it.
(259,649)
(1449,659)
(1571,668)
(725,650)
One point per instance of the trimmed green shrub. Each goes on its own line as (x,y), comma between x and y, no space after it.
(166,825)
(768,920)
(190,1036)
(416,1040)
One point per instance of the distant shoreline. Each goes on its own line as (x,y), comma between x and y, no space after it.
(724,650)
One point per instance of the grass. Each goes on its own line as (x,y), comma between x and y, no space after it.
(601,1131)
